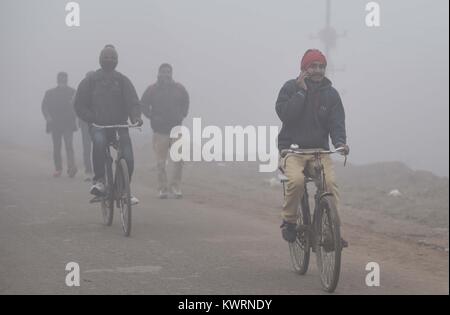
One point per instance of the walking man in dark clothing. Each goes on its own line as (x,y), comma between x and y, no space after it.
(87,144)
(166,104)
(61,122)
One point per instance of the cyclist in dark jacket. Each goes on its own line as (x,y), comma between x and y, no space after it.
(311,112)
(310,116)
(107,97)
(61,122)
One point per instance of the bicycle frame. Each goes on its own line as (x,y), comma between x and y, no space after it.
(310,231)
(109,163)
(320,182)
(319,179)
(118,182)
(115,141)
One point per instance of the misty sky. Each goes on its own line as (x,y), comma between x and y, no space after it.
(233,56)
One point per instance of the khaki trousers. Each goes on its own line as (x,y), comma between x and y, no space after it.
(293,166)
(161,146)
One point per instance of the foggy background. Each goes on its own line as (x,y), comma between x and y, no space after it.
(233,57)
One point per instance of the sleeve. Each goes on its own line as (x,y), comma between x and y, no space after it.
(72,101)
(337,123)
(146,102)
(45,107)
(131,99)
(290,103)
(184,102)
(82,102)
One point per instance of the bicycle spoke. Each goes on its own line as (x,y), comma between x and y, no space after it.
(299,250)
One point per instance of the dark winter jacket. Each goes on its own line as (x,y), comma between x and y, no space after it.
(310,117)
(166,105)
(106,99)
(58,110)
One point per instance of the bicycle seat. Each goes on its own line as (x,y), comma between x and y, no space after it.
(283,178)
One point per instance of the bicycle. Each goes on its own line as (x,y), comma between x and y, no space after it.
(117,183)
(322,235)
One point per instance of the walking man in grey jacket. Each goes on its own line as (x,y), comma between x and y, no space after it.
(166,104)
(61,122)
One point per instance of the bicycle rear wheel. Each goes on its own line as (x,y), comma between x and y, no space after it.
(107,203)
(300,249)
(328,244)
(124,195)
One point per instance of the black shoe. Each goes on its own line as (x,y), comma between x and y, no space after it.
(98,189)
(288,231)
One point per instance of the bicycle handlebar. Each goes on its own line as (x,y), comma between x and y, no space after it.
(313,151)
(117,126)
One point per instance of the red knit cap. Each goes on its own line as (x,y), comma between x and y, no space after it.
(312,55)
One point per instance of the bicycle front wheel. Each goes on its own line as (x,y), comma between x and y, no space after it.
(300,249)
(107,203)
(124,195)
(328,244)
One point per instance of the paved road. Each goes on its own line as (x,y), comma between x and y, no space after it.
(176,247)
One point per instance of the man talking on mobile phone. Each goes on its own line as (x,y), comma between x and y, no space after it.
(311,111)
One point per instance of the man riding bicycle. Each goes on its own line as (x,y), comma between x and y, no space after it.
(107,97)
(311,111)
